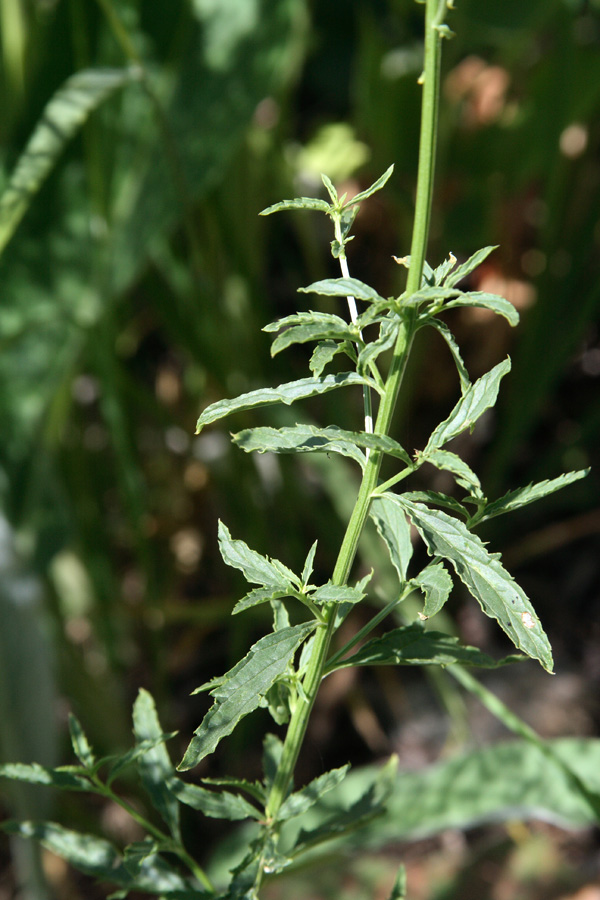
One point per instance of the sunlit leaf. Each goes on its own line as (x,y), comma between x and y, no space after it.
(70,779)
(451,462)
(394,528)
(155,766)
(335,593)
(469,266)
(297,203)
(256,568)
(376,186)
(342,287)
(80,743)
(522,496)
(493,302)
(436,584)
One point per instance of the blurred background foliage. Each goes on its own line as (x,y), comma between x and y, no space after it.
(134,289)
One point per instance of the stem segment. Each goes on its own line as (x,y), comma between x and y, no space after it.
(435,10)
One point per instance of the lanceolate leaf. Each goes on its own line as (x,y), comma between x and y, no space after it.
(87,853)
(334,593)
(315,331)
(80,743)
(258,596)
(393,527)
(493,302)
(376,186)
(399,887)
(285,393)
(436,584)
(242,690)
(342,287)
(70,779)
(522,496)
(155,766)
(63,116)
(302,800)
(297,203)
(469,266)
(411,645)
(437,498)
(479,397)
(217,805)
(465,382)
(256,568)
(451,462)
(488,581)
(307,439)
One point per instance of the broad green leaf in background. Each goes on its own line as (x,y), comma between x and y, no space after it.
(394,528)
(488,581)
(62,118)
(285,393)
(474,402)
(436,584)
(242,689)
(155,766)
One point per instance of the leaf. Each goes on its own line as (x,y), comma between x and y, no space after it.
(429,294)
(285,393)
(436,584)
(322,355)
(272,752)
(119,762)
(493,302)
(399,887)
(341,593)
(496,591)
(256,568)
(297,203)
(524,495)
(70,779)
(451,462)
(222,805)
(474,402)
(437,498)
(308,565)
(329,186)
(242,689)
(155,766)
(302,800)
(316,331)
(412,645)
(88,854)
(63,115)
(148,871)
(79,741)
(469,266)
(440,272)
(376,186)
(394,528)
(465,381)
(388,333)
(342,287)
(254,788)
(258,596)
(308,439)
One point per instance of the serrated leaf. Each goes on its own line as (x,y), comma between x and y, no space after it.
(256,568)
(436,584)
(493,302)
(429,294)
(67,778)
(216,805)
(342,287)
(322,355)
(303,334)
(254,788)
(412,645)
(469,266)
(285,393)
(155,766)
(297,203)
(80,743)
(85,852)
(62,117)
(308,438)
(341,593)
(522,496)
(149,872)
(496,591)
(440,272)
(301,801)
(437,498)
(447,461)
(393,527)
(376,186)
(474,402)
(258,596)
(245,685)
(465,381)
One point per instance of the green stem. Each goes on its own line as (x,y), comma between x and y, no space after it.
(347,553)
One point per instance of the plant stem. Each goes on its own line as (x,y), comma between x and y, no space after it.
(347,553)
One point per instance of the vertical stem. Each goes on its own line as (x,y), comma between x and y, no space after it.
(297,728)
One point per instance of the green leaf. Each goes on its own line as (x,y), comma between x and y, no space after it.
(297,203)
(330,188)
(62,117)
(256,568)
(440,272)
(522,496)
(119,762)
(493,302)
(222,805)
(67,778)
(302,800)
(308,565)
(399,887)
(88,854)
(342,287)
(412,645)
(429,294)
(436,584)
(325,320)
(465,381)
(155,766)
(469,266)
(341,593)
(254,788)
(394,528)
(81,746)
(258,596)
(388,333)
(376,186)
(315,331)
(496,591)
(474,402)
(272,752)
(308,439)
(243,688)
(322,355)
(437,498)
(285,393)
(450,462)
